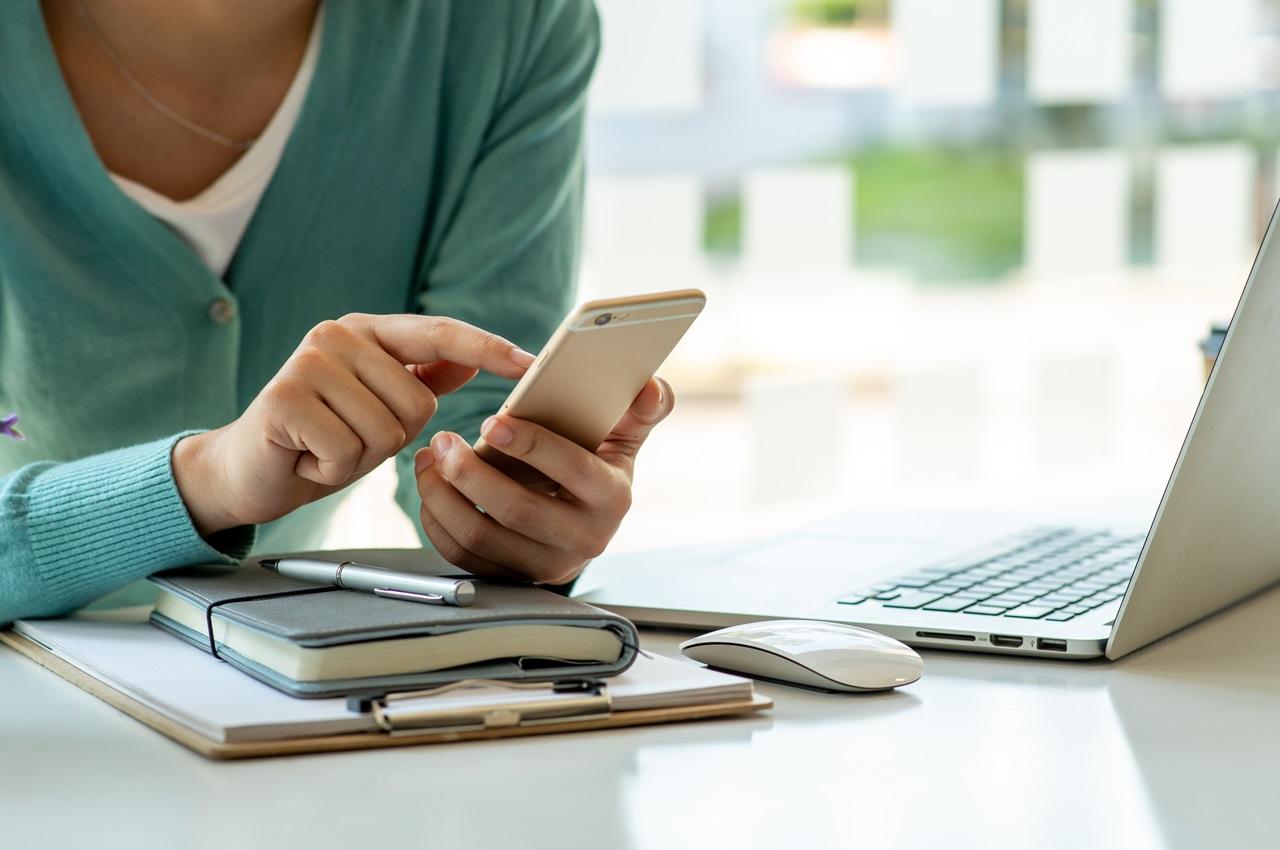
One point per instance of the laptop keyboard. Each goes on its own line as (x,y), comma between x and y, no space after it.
(1052,574)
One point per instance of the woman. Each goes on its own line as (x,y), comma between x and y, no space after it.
(246,247)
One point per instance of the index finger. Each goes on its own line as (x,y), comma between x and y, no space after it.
(418,340)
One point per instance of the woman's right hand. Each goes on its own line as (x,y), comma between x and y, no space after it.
(354,393)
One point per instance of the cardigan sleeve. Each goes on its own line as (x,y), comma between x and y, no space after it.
(508,260)
(71,532)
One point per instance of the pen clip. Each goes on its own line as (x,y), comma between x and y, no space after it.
(409,596)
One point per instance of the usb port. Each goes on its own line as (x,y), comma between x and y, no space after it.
(1006,640)
(1052,645)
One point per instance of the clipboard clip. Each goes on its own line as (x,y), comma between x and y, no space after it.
(472,705)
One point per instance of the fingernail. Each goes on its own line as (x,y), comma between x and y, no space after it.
(422,460)
(662,392)
(496,432)
(441,444)
(521,357)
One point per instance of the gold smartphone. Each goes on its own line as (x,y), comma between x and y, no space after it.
(592,368)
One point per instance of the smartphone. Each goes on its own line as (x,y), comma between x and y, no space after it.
(593,367)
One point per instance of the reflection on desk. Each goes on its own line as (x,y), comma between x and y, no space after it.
(1171,747)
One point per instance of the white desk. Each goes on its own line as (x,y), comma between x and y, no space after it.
(1175,746)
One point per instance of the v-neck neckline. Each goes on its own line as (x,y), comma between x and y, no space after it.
(58,140)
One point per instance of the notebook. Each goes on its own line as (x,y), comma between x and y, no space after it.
(343,642)
(215,710)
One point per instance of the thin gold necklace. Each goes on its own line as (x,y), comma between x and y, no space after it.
(156,103)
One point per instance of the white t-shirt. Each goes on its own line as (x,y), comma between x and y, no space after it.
(213,222)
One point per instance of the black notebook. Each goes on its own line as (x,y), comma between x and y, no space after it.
(336,642)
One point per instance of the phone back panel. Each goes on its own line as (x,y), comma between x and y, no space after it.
(589,373)
(592,369)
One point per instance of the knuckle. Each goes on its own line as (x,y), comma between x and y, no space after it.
(438,325)
(527,440)
(354,320)
(623,502)
(309,360)
(326,334)
(388,441)
(352,447)
(592,545)
(562,575)
(451,551)
(521,513)
(423,406)
(457,467)
(471,535)
(281,393)
(580,465)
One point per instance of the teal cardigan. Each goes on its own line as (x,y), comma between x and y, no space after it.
(436,167)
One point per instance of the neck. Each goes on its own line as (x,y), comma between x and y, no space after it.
(202,34)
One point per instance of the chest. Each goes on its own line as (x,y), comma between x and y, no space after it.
(168,122)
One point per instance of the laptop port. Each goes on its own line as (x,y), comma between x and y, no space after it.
(945,636)
(1006,640)
(1052,645)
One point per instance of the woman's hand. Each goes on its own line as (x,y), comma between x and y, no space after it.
(521,534)
(354,393)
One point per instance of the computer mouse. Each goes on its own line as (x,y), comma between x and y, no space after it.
(810,653)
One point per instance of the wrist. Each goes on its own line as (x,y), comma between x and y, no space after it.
(198,485)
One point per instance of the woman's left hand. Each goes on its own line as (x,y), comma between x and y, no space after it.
(521,534)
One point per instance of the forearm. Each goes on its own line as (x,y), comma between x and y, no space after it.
(71,532)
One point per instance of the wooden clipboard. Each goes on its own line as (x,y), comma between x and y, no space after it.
(363,740)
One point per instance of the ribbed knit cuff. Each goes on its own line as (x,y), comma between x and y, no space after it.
(99,523)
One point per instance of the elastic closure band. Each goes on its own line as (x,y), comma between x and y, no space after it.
(208,611)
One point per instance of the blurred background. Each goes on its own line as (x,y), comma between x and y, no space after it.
(958,253)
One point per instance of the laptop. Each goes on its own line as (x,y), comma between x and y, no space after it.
(994,584)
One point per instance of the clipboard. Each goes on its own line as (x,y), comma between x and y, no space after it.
(591,710)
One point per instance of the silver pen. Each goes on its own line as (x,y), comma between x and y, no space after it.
(392,584)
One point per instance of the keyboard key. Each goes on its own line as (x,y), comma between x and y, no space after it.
(916,580)
(1109,610)
(889,594)
(1029,612)
(912,599)
(1060,616)
(949,604)
(989,610)
(852,599)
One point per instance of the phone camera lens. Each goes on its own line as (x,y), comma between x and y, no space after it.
(604,318)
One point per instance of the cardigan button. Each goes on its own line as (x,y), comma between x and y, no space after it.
(222,310)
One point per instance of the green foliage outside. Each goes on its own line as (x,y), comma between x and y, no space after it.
(827,13)
(935,214)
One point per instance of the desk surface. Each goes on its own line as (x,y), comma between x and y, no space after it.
(1174,746)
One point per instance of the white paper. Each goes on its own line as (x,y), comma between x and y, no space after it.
(215,699)
(1079,51)
(1077,212)
(1204,206)
(947,51)
(1206,48)
(650,56)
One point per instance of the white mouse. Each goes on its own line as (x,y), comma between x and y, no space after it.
(811,653)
